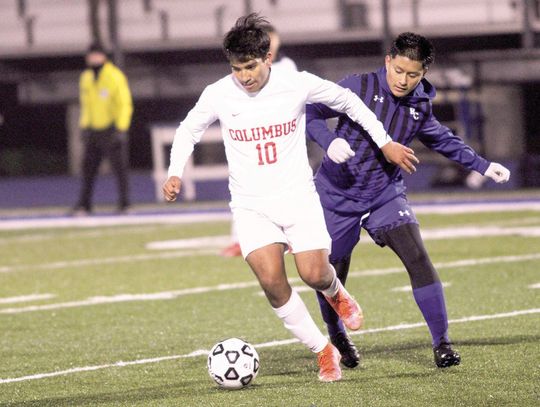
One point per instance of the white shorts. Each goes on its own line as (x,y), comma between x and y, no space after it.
(297,221)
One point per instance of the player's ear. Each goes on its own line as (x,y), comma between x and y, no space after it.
(268,58)
(387,59)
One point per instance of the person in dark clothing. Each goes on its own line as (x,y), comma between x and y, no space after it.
(366,191)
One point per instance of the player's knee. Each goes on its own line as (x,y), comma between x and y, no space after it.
(318,277)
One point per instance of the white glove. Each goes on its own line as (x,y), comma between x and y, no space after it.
(497,173)
(339,151)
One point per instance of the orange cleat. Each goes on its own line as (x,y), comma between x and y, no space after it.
(347,309)
(328,359)
(232,250)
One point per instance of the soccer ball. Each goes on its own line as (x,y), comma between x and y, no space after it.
(233,363)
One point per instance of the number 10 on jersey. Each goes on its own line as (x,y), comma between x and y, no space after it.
(267,153)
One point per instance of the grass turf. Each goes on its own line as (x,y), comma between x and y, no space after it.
(501,356)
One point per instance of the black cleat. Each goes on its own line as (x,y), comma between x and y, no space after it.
(349,354)
(445,356)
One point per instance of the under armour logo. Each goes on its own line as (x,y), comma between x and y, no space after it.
(414,113)
(403,213)
(378,98)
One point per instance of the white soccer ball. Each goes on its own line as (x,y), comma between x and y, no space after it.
(233,363)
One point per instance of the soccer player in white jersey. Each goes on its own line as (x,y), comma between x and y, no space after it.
(279,61)
(273,198)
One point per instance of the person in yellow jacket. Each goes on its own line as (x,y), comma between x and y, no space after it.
(106,109)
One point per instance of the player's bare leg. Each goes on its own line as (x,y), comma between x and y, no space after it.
(318,273)
(268,265)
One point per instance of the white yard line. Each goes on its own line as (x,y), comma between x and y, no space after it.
(26,298)
(210,245)
(408,288)
(106,260)
(534,286)
(168,295)
(427,234)
(95,221)
(224,214)
(475,207)
(202,352)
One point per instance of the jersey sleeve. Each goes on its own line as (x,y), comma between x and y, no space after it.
(316,127)
(190,132)
(316,116)
(441,139)
(345,101)
(84,118)
(123,102)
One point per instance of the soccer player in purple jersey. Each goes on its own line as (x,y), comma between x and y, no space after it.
(366,191)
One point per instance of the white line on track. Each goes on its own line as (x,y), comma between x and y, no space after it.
(26,298)
(201,352)
(169,295)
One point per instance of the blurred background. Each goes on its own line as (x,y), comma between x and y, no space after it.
(487,73)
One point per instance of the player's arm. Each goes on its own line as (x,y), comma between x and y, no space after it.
(345,101)
(124,103)
(441,139)
(187,135)
(84,119)
(337,149)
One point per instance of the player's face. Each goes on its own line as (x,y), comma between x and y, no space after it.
(252,74)
(403,74)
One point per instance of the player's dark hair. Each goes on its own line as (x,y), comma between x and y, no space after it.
(414,47)
(247,39)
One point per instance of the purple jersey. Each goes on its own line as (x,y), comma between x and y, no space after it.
(363,178)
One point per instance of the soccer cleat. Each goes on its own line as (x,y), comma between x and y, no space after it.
(349,354)
(347,309)
(232,251)
(445,356)
(328,359)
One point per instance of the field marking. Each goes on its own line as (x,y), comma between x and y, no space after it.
(169,295)
(106,260)
(408,288)
(210,245)
(202,352)
(223,214)
(107,220)
(26,298)
(534,286)
(427,234)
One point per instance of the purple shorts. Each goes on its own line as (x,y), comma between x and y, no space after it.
(385,214)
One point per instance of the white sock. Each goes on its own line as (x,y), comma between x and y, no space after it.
(334,286)
(297,319)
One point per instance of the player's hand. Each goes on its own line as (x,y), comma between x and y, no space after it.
(339,151)
(171,188)
(400,155)
(498,173)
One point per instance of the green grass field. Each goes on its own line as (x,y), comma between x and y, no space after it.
(137,350)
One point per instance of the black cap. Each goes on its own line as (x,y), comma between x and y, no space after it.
(96,47)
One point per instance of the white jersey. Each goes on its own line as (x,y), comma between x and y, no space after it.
(264,132)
